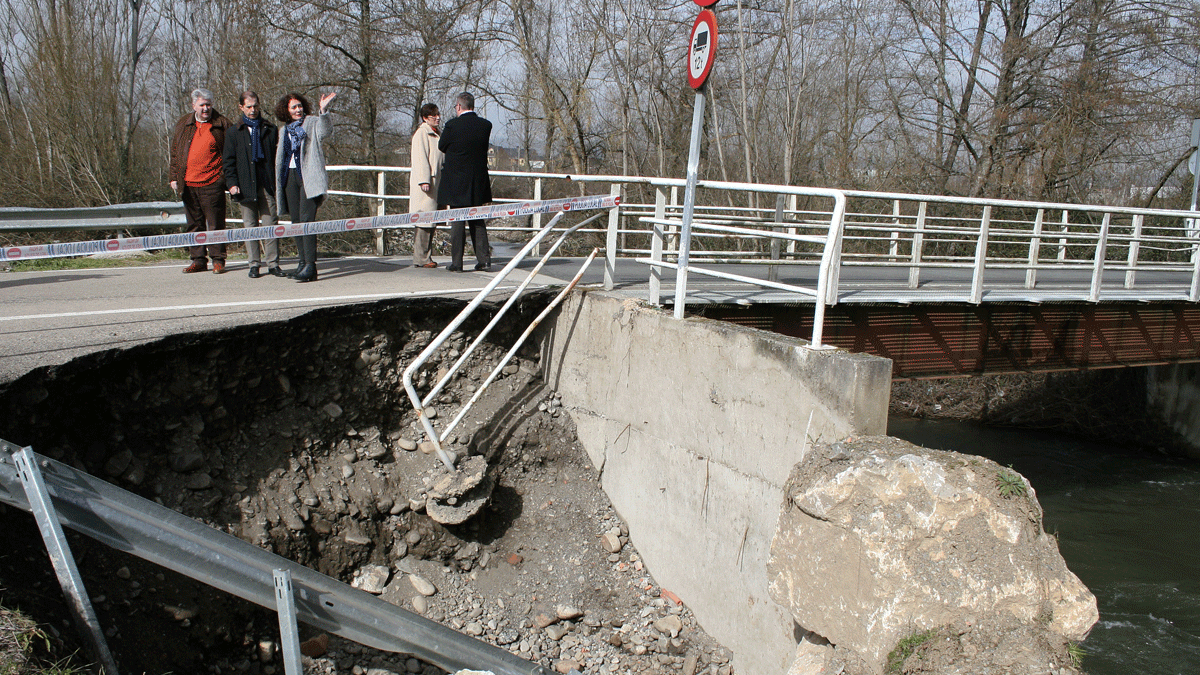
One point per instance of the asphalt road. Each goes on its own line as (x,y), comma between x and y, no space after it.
(50,318)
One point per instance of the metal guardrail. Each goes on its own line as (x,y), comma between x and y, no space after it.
(127,522)
(112,217)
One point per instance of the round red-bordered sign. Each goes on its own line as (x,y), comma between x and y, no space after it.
(702,48)
(705,3)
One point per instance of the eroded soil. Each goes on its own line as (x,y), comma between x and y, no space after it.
(298,437)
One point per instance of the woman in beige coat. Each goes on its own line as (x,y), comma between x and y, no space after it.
(423,180)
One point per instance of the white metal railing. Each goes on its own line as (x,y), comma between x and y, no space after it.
(664,231)
(983,235)
(1081,252)
(1109,248)
(921,233)
(381,197)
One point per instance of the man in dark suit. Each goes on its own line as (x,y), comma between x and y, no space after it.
(465,180)
(249,161)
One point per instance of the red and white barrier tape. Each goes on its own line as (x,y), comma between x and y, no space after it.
(77,248)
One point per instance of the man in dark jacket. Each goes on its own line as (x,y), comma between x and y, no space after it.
(465,180)
(195,173)
(249,160)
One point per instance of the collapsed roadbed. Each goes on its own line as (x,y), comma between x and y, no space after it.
(620,442)
(297,437)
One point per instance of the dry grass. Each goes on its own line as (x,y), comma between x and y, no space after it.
(18,633)
(27,650)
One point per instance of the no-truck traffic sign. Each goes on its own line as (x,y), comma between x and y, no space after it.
(702,48)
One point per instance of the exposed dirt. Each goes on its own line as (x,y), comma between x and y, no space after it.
(298,437)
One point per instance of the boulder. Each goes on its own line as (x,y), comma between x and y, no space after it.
(372,579)
(879,539)
(453,497)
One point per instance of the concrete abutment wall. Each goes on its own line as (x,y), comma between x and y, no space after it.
(1173,400)
(695,426)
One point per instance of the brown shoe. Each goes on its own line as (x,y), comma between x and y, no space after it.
(218,267)
(430,265)
(196,266)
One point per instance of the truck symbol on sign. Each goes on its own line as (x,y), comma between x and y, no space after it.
(700,50)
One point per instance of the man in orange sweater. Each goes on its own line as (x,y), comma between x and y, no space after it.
(195,172)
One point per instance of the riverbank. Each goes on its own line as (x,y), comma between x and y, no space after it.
(1104,405)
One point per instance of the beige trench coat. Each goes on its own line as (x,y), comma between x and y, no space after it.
(426,168)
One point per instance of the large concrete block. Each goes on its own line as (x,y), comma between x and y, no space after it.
(696,425)
(880,539)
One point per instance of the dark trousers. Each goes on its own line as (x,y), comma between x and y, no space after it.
(205,209)
(479,240)
(301,208)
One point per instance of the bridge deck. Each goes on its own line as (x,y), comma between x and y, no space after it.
(49,318)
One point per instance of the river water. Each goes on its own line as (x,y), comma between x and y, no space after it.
(1128,523)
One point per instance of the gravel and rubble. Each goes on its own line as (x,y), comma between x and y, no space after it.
(298,438)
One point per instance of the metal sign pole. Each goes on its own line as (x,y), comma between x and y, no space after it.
(1193,163)
(689,203)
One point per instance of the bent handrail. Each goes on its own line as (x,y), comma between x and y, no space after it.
(419,403)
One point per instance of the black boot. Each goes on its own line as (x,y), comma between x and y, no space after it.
(300,256)
(309,271)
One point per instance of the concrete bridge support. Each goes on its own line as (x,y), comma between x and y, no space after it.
(695,426)
(1173,399)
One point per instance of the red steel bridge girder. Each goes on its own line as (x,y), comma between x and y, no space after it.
(964,339)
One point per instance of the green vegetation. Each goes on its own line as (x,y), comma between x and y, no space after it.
(906,647)
(1076,652)
(1010,483)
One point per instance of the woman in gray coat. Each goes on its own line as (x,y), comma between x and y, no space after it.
(300,179)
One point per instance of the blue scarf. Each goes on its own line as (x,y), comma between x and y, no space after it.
(292,140)
(256,149)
